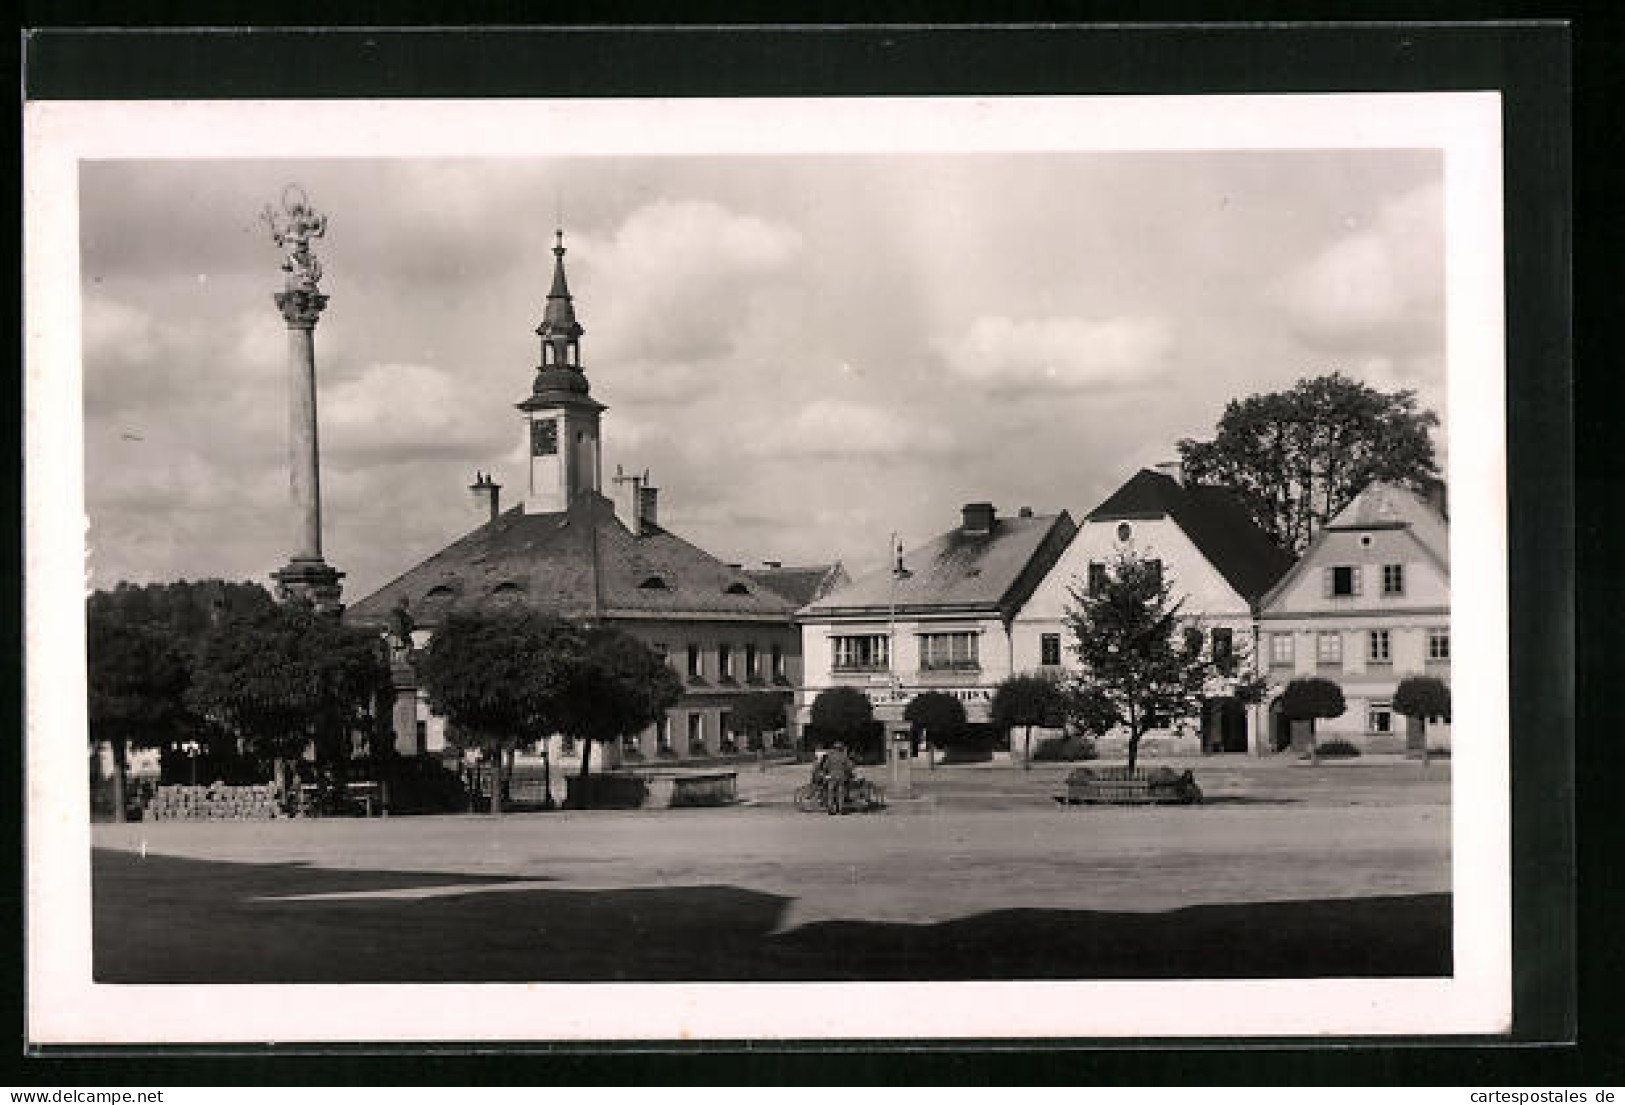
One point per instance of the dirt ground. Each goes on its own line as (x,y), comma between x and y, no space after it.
(1285,870)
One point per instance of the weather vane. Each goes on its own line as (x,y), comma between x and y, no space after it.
(292,231)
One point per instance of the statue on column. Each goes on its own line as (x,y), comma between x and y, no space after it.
(292,232)
(401,624)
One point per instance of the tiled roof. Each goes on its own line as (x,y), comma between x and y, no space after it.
(1386,504)
(1215,521)
(801,585)
(580,563)
(997,570)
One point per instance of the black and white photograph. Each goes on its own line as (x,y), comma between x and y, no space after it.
(767,570)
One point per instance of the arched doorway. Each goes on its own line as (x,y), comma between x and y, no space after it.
(1224,726)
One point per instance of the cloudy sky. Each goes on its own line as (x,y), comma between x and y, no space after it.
(807,352)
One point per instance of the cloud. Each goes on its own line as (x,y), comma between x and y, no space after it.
(1059,354)
(393,411)
(1378,290)
(839,429)
(679,279)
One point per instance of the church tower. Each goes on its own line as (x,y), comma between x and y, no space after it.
(562,441)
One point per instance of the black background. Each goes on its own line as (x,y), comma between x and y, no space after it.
(1563,491)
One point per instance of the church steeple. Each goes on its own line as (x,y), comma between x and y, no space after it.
(561,416)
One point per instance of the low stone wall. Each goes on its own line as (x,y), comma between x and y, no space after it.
(624,790)
(215,802)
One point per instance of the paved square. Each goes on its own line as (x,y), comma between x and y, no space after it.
(1287,870)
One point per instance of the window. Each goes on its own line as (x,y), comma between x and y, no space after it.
(694,662)
(725,662)
(948,651)
(753,664)
(1342,581)
(1049,650)
(1097,578)
(1377,648)
(1393,579)
(1379,717)
(1224,649)
(778,662)
(1329,648)
(1438,644)
(871,652)
(544,438)
(1281,649)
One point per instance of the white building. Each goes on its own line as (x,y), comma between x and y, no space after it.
(1218,560)
(944,622)
(1367,605)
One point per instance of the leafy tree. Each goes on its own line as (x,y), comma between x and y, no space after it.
(1423,698)
(1297,457)
(185,609)
(616,686)
(1309,699)
(137,676)
(500,679)
(937,717)
(1133,653)
(843,713)
(761,712)
(285,676)
(1029,700)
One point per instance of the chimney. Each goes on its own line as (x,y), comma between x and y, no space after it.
(486,494)
(1173,469)
(1025,512)
(648,506)
(978,518)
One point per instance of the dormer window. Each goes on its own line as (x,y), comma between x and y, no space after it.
(654,583)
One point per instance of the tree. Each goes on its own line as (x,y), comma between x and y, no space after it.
(1423,698)
(137,677)
(1029,700)
(500,678)
(615,687)
(1295,458)
(760,712)
(843,714)
(935,715)
(1133,653)
(1309,699)
(285,676)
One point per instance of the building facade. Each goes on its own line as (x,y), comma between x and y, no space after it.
(572,551)
(1220,565)
(1367,605)
(939,618)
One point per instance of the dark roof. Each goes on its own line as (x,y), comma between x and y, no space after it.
(1215,521)
(800,585)
(579,563)
(997,570)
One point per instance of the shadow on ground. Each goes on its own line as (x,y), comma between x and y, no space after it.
(168,920)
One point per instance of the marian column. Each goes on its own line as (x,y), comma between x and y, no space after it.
(306,576)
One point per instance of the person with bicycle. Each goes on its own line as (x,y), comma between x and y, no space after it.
(837,772)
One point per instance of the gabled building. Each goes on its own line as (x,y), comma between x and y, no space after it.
(1367,605)
(569,550)
(1218,560)
(939,618)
